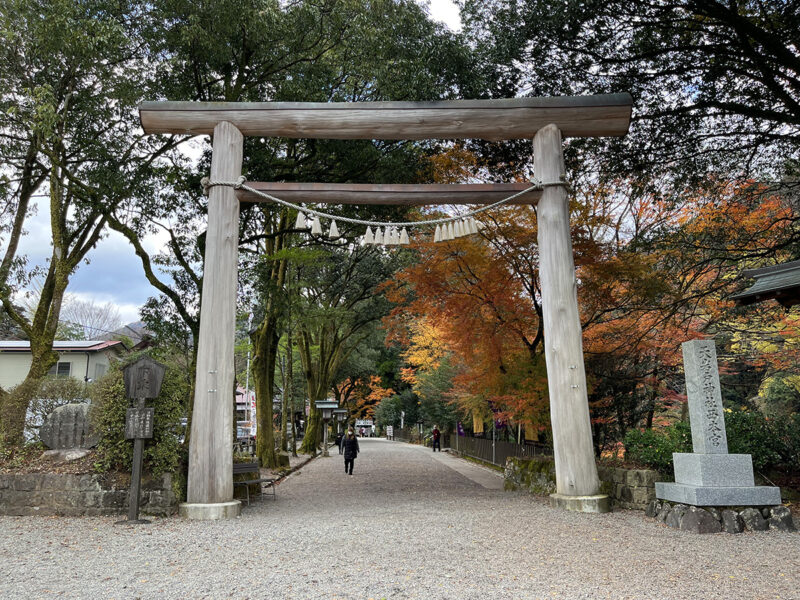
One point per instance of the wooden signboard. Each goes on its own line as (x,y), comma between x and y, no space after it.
(139,423)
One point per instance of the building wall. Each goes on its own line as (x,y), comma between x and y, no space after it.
(14,366)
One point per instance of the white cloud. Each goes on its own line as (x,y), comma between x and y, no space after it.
(114,273)
(445,11)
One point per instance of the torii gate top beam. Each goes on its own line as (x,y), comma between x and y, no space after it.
(504,119)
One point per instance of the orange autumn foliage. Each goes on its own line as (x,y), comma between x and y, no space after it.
(652,273)
(461,298)
(366,396)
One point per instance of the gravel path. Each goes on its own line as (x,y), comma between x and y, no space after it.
(407,525)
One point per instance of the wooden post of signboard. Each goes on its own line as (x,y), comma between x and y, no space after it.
(577,484)
(143,381)
(209,491)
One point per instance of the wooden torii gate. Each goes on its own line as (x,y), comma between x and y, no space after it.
(545,120)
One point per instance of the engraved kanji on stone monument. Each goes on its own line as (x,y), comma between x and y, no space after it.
(705,399)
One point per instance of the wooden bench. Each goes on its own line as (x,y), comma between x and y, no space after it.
(248,468)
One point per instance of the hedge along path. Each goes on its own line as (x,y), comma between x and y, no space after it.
(544,120)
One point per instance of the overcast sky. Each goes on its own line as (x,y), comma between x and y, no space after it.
(114,273)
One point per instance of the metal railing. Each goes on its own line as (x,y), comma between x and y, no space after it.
(491,451)
(496,451)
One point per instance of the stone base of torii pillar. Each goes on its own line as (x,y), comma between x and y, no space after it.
(210,512)
(710,476)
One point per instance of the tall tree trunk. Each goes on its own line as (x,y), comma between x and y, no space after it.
(294,432)
(287,389)
(265,351)
(313,433)
(652,395)
(69,249)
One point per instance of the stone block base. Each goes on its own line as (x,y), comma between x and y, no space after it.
(210,512)
(587,504)
(718,496)
(714,470)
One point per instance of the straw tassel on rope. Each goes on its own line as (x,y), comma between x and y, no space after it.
(392,234)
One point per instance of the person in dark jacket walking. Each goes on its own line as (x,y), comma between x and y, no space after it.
(435,434)
(351,450)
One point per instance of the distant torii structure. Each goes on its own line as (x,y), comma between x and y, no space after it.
(545,120)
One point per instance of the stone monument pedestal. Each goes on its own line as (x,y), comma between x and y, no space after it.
(695,495)
(716,480)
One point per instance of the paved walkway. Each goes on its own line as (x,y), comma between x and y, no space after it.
(408,524)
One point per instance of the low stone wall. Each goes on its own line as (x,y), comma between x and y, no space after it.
(535,475)
(24,494)
(628,488)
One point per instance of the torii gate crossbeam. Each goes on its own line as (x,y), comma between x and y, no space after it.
(210,487)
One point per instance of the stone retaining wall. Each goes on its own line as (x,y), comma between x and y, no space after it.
(535,475)
(24,494)
(628,488)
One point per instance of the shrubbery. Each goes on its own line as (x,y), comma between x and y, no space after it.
(654,448)
(162,453)
(772,442)
(752,433)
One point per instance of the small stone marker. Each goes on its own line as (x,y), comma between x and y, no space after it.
(143,381)
(710,476)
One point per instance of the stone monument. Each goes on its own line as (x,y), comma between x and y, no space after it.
(67,432)
(710,476)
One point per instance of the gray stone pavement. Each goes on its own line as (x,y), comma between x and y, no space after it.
(408,524)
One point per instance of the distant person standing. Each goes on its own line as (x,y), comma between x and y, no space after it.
(436,441)
(351,450)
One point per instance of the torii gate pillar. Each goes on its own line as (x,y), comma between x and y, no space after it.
(209,493)
(577,484)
